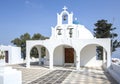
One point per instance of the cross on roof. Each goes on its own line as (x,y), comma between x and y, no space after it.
(65,8)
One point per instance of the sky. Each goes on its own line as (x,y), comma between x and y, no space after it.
(38,16)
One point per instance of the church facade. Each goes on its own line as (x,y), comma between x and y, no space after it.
(70,44)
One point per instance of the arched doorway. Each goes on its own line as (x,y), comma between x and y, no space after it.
(40,52)
(89,57)
(64,55)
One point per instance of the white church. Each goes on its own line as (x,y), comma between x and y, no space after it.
(71,44)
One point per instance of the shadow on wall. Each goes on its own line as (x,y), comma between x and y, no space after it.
(88,56)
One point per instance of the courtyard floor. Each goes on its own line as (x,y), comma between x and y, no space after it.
(63,75)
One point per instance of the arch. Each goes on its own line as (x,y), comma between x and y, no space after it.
(38,46)
(65,17)
(60,54)
(31,45)
(95,43)
(63,45)
(64,12)
(88,55)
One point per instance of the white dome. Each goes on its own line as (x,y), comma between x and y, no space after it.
(84,33)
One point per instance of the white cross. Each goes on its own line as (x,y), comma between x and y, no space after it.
(65,8)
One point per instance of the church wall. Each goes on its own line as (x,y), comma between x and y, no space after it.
(16,55)
(58,58)
(88,57)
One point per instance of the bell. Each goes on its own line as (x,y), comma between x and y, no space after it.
(64,17)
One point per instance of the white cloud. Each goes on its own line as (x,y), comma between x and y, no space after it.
(27,2)
(33,4)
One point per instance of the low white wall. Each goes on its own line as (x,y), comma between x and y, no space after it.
(10,76)
(114,71)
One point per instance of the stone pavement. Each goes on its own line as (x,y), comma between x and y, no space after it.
(89,76)
(55,77)
(62,75)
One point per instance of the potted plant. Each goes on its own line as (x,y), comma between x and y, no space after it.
(2,57)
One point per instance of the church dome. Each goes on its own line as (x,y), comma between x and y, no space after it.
(84,33)
(75,21)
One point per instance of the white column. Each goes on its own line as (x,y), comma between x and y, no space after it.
(70,18)
(104,56)
(58,19)
(39,52)
(77,60)
(51,60)
(108,59)
(27,57)
(47,57)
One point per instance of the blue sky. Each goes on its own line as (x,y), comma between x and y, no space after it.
(37,16)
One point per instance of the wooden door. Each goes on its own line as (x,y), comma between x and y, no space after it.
(69,55)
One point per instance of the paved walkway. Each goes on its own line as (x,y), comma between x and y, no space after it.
(60,75)
(89,76)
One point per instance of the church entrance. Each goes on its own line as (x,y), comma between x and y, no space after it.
(69,55)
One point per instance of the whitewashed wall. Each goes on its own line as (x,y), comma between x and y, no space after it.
(14,54)
(58,57)
(88,57)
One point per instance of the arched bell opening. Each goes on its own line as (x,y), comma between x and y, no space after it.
(65,19)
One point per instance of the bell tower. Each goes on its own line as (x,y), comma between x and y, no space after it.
(64,17)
